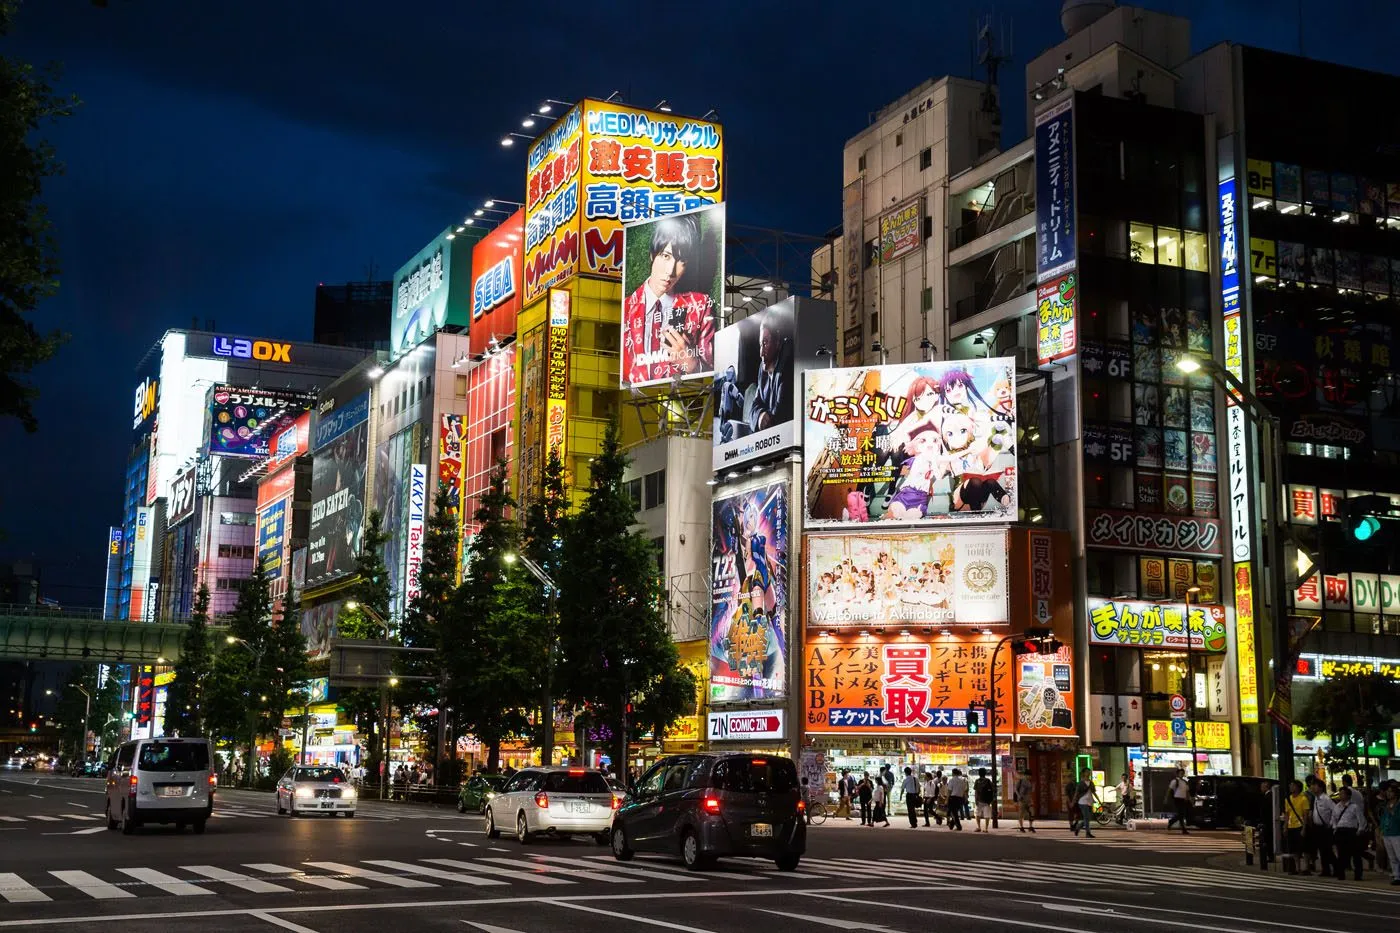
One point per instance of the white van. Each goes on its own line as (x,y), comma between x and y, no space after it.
(160,781)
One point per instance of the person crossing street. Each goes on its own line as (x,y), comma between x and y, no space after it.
(1024,795)
(1180,792)
(912,802)
(986,795)
(957,799)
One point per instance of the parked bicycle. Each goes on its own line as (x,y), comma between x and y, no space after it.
(817,812)
(1119,813)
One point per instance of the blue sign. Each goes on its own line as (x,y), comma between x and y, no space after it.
(1229,248)
(347,416)
(272,533)
(1055,223)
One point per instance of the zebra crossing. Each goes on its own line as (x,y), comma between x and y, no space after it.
(496,874)
(48,820)
(1194,843)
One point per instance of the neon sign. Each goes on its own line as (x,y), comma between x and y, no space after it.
(265,350)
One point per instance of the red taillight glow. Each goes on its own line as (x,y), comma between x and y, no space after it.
(213,781)
(131,785)
(801,806)
(758,761)
(575,772)
(616,802)
(542,800)
(711,804)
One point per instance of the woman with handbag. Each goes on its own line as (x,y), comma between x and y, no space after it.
(1296,807)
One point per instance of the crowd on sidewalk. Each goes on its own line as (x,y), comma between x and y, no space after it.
(1331,832)
(935,796)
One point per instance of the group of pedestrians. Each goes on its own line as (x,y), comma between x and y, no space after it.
(1331,834)
(935,796)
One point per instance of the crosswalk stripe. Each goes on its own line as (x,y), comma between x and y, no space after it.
(254,885)
(725,871)
(296,874)
(356,872)
(16,890)
(569,872)
(659,874)
(893,870)
(167,883)
(46,819)
(90,885)
(531,876)
(432,872)
(11,819)
(79,816)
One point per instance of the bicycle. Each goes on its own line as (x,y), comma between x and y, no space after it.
(1117,813)
(817,813)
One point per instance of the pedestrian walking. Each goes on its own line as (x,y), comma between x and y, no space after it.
(1296,809)
(1072,804)
(986,795)
(880,799)
(1389,823)
(1087,797)
(1348,832)
(843,792)
(1179,792)
(912,802)
(928,792)
(1126,802)
(1024,794)
(957,799)
(887,781)
(940,796)
(865,793)
(1319,835)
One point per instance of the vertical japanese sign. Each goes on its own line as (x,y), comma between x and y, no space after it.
(556,405)
(424,297)
(417,513)
(749,595)
(852,272)
(1055,224)
(901,230)
(1229,249)
(551,205)
(1248,665)
(1042,577)
(145,696)
(1056,334)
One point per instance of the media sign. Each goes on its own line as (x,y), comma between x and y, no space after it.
(243,421)
(146,402)
(272,538)
(498,261)
(901,230)
(748,725)
(749,630)
(430,292)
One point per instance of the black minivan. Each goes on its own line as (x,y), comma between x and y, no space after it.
(710,804)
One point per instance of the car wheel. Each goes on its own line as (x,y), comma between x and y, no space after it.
(199,827)
(491,831)
(620,850)
(522,829)
(461,805)
(602,838)
(694,858)
(349,814)
(788,862)
(128,819)
(111,822)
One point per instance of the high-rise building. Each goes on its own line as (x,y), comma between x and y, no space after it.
(355,314)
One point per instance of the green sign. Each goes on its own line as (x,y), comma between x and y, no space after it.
(432,290)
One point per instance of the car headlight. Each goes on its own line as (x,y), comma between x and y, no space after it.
(490,795)
(347,793)
(304,792)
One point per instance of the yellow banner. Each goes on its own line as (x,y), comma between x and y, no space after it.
(1248,664)
(1210,736)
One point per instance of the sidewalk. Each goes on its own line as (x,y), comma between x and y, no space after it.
(1008,824)
(1371,879)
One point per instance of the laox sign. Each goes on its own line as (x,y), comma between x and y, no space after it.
(253,349)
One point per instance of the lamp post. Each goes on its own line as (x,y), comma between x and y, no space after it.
(1044,640)
(379,620)
(1270,440)
(87,711)
(551,590)
(253,712)
(1191,676)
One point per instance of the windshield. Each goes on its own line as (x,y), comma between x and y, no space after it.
(562,782)
(319,774)
(169,757)
(756,775)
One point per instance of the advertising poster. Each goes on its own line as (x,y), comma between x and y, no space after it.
(1056,335)
(757,361)
(182,496)
(1055,223)
(672,287)
(272,538)
(497,265)
(898,580)
(243,422)
(901,230)
(911,443)
(891,684)
(430,293)
(1156,625)
(556,404)
(338,491)
(450,459)
(749,607)
(852,272)
(417,515)
(391,461)
(290,442)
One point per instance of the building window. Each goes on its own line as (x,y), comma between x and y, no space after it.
(899,139)
(227,584)
(1197,259)
(928,228)
(860,163)
(237,518)
(236,551)
(1140,244)
(498,445)
(926,158)
(872,253)
(659,545)
(633,489)
(1169,246)
(874,322)
(655,491)
(459,386)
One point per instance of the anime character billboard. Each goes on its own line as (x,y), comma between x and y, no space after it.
(911,443)
(749,589)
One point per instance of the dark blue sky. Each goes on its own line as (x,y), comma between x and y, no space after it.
(231,155)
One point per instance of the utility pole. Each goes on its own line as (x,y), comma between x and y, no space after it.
(551,590)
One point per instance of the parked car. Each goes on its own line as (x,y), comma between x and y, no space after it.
(326,790)
(160,781)
(708,805)
(555,800)
(477,790)
(1226,801)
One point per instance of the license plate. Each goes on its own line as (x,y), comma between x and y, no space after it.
(578,806)
(761,829)
(172,792)
(327,806)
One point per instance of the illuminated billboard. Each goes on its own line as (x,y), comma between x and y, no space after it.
(498,261)
(901,230)
(602,165)
(291,442)
(272,538)
(431,290)
(182,496)
(672,287)
(243,421)
(1135,623)
(341,444)
(911,443)
(749,590)
(941,578)
(757,365)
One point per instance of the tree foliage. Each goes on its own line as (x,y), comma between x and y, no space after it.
(104,714)
(29,269)
(184,700)
(1355,710)
(428,618)
(615,648)
(370,593)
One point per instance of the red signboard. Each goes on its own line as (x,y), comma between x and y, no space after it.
(145,695)
(497,264)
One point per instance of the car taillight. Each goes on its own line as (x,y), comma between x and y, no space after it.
(616,802)
(801,806)
(542,800)
(710,804)
(575,772)
(213,782)
(131,785)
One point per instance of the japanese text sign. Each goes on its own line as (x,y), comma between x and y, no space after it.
(1055,222)
(1056,335)
(1151,625)
(901,230)
(1135,531)
(1210,736)
(243,421)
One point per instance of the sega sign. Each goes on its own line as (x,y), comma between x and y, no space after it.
(494,288)
(266,350)
(748,725)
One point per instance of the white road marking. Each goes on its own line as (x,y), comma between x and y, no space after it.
(36,796)
(569,872)
(357,872)
(633,917)
(12,819)
(16,890)
(46,819)
(657,872)
(81,832)
(255,885)
(81,806)
(330,884)
(282,922)
(531,876)
(90,885)
(79,816)
(167,883)
(437,873)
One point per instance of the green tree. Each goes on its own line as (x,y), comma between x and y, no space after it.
(103,714)
(184,700)
(29,269)
(370,594)
(1355,710)
(616,651)
(544,544)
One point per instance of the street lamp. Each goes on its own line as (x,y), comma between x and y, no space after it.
(87,710)
(551,590)
(1046,643)
(257,654)
(383,696)
(1270,440)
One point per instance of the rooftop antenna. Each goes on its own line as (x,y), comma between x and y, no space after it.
(993,48)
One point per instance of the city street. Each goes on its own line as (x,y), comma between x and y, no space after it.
(402,867)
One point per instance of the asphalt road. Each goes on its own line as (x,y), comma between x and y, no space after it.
(412,868)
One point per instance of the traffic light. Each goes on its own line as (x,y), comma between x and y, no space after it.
(1364,515)
(33,727)
(974,725)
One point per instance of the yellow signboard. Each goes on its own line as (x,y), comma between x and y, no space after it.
(1248,664)
(1210,736)
(1260,177)
(685,729)
(556,406)
(1263,257)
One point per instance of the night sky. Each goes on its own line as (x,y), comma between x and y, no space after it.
(231,154)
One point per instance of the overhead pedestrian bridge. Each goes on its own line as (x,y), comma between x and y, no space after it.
(42,633)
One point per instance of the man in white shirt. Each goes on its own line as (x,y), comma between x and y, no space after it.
(1180,790)
(1318,838)
(928,789)
(957,799)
